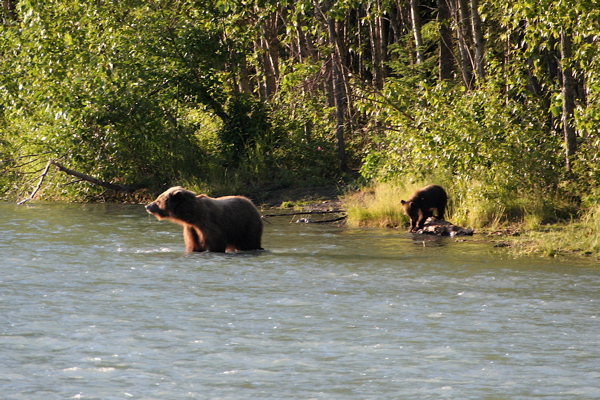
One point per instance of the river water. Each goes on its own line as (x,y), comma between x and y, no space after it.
(101,302)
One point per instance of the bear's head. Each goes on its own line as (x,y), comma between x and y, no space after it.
(176,203)
(411,208)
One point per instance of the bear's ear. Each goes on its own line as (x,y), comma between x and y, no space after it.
(402,202)
(177,196)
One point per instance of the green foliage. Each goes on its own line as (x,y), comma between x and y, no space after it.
(137,92)
(230,95)
(249,129)
(307,149)
(498,147)
(78,94)
(482,144)
(474,135)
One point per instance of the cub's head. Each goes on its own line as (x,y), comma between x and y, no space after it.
(176,203)
(410,208)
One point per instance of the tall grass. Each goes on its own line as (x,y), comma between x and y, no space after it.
(590,234)
(377,206)
(470,204)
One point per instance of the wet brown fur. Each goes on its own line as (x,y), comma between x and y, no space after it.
(211,224)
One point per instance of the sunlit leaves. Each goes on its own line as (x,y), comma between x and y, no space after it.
(477,136)
(123,87)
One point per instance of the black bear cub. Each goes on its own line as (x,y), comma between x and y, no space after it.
(419,207)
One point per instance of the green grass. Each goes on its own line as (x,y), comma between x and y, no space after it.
(378,206)
(577,237)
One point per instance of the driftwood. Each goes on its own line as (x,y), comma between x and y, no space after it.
(434,226)
(312,212)
(83,177)
(312,221)
(305,213)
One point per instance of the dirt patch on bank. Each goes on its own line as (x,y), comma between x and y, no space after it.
(324,198)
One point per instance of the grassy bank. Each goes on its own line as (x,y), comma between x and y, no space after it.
(378,206)
(548,225)
(578,237)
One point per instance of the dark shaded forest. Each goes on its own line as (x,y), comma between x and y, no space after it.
(495,100)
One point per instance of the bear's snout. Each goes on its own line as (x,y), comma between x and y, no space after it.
(153,209)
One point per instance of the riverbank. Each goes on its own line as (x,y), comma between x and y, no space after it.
(577,238)
(372,208)
(325,198)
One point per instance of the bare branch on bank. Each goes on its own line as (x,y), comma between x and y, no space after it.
(39,185)
(127,189)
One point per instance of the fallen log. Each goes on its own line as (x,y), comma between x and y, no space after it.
(127,189)
(113,186)
(305,213)
(312,221)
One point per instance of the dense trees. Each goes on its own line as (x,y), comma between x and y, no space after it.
(242,93)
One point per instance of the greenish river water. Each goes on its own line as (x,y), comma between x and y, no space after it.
(101,302)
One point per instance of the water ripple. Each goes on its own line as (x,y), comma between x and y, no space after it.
(100,301)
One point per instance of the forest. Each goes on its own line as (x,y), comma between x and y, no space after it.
(498,101)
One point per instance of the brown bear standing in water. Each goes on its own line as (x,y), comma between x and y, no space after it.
(419,206)
(211,224)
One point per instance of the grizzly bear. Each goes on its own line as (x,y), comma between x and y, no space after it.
(421,203)
(211,224)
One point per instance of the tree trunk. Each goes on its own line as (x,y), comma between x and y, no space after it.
(477,39)
(9,11)
(301,39)
(339,97)
(466,67)
(568,98)
(416,28)
(270,47)
(260,78)
(446,62)
(245,85)
(394,18)
(340,111)
(377,46)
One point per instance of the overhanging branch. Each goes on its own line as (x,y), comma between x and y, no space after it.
(127,189)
